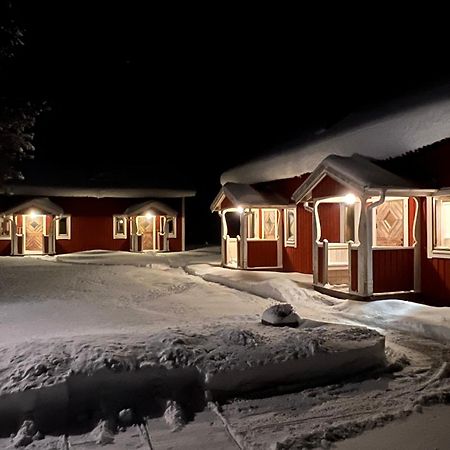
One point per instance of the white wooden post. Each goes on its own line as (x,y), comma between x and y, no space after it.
(349,259)
(223,236)
(365,260)
(316,236)
(417,247)
(183,224)
(325,262)
(13,237)
(244,236)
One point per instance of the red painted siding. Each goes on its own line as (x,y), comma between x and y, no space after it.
(5,248)
(330,221)
(393,270)
(299,259)
(329,187)
(435,272)
(262,253)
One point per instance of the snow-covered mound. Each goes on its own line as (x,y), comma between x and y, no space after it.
(392,131)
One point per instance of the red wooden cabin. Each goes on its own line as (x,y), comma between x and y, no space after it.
(262,228)
(50,220)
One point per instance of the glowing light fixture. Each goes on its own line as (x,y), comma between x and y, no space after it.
(149,215)
(33,213)
(350,199)
(240,210)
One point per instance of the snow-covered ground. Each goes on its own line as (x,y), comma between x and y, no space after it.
(89,310)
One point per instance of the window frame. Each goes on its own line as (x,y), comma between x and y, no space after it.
(289,242)
(123,235)
(254,212)
(6,219)
(277,231)
(405,225)
(66,236)
(433,222)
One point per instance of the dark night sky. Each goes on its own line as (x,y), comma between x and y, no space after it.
(191,93)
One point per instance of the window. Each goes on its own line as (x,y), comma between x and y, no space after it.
(253,224)
(391,224)
(63,227)
(172,227)
(290,227)
(270,224)
(120,227)
(5,228)
(441,224)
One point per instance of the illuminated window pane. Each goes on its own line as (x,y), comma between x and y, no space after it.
(270,224)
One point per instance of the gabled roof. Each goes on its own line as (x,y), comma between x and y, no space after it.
(144,207)
(360,175)
(390,131)
(43,205)
(95,192)
(245,195)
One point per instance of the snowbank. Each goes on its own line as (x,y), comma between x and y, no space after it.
(89,373)
(421,320)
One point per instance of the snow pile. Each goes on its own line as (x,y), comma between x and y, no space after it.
(421,320)
(280,315)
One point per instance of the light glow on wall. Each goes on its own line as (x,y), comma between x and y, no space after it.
(240,210)
(33,213)
(149,215)
(350,199)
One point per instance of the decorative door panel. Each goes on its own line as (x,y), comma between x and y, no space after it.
(390,224)
(145,227)
(34,234)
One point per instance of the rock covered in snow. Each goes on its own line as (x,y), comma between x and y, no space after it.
(25,434)
(126,416)
(174,415)
(103,433)
(282,315)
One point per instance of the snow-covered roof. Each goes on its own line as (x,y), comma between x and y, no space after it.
(359,174)
(142,208)
(62,191)
(247,196)
(390,131)
(44,205)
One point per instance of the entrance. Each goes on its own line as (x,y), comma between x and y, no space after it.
(33,229)
(146,228)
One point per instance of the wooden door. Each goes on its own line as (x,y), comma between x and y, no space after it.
(390,224)
(34,234)
(146,228)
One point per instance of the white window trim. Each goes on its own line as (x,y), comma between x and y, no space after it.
(277,231)
(432,251)
(288,243)
(405,225)
(174,234)
(125,221)
(6,237)
(256,215)
(67,236)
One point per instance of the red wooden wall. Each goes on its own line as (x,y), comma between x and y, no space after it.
(5,247)
(329,187)
(393,270)
(330,221)
(299,259)
(262,253)
(435,272)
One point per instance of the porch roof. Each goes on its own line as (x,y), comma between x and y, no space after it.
(245,195)
(152,205)
(41,204)
(359,174)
